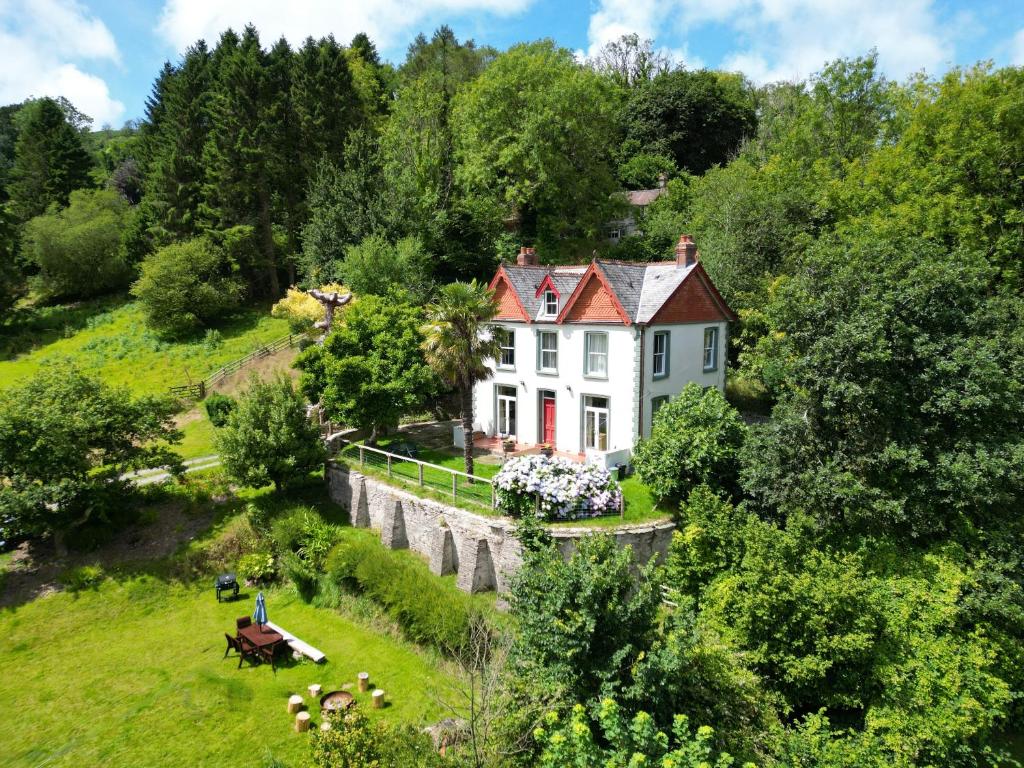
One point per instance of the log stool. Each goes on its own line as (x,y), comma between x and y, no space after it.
(294,704)
(314,690)
(364,682)
(378,699)
(302,722)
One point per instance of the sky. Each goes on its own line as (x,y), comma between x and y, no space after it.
(104,55)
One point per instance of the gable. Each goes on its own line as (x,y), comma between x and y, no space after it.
(694,301)
(593,302)
(509,306)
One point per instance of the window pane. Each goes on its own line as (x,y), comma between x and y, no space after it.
(597,354)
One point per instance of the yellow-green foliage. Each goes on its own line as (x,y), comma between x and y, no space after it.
(300,309)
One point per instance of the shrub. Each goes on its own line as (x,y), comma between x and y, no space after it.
(268,438)
(83,577)
(78,249)
(301,310)
(257,567)
(428,610)
(219,407)
(353,741)
(695,439)
(184,286)
(564,489)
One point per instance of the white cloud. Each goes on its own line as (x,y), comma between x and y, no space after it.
(182,22)
(1017,49)
(44,41)
(789,39)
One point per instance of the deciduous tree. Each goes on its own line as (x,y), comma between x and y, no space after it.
(268,437)
(66,440)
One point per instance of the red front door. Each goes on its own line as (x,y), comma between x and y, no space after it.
(549,420)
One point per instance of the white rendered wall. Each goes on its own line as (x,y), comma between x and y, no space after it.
(569,385)
(686,362)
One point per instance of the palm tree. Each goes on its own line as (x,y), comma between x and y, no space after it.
(457,345)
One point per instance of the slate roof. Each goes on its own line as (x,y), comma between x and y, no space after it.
(660,280)
(644,197)
(641,289)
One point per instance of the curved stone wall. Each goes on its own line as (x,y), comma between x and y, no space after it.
(481,550)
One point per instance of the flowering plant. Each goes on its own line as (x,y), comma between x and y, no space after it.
(555,488)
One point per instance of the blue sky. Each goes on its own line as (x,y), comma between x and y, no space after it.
(104,54)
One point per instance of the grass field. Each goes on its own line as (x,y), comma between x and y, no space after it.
(109,337)
(132,673)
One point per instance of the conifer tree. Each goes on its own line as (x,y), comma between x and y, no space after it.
(326,102)
(178,123)
(49,159)
(285,155)
(238,152)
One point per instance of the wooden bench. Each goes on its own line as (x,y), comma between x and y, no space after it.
(297,645)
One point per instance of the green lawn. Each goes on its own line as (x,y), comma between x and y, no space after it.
(198,439)
(109,337)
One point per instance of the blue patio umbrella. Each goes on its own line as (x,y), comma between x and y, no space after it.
(260,614)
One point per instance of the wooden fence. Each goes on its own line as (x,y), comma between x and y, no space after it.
(199,390)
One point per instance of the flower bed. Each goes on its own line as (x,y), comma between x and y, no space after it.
(556,489)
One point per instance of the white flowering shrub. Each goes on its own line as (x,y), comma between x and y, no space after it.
(565,489)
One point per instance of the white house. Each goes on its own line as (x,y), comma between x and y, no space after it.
(589,353)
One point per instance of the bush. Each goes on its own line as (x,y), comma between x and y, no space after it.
(83,577)
(564,489)
(219,407)
(355,742)
(185,286)
(428,610)
(268,438)
(257,567)
(695,439)
(301,310)
(78,249)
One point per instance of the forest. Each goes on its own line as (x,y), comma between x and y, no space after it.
(846,579)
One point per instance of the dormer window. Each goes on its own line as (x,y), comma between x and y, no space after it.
(550,303)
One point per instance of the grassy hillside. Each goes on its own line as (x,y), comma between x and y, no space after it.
(109,337)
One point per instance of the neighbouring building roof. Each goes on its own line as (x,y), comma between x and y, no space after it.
(641,198)
(612,291)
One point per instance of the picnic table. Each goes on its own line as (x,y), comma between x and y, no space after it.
(262,640)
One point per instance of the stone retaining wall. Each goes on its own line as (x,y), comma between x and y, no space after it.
(481,550)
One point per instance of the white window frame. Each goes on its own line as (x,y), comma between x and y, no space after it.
(588,354)
(503,400)
(541,352)
(710,358)
(550,306)
(595,413)
(506,335)
(664,355)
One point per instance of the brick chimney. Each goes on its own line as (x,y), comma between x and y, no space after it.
(527,257)
(686,251)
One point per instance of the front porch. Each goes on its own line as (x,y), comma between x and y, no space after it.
(495,446)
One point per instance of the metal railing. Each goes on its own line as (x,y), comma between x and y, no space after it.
(409,470)
(449,482)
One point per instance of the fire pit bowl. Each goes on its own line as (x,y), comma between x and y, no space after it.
(336,701)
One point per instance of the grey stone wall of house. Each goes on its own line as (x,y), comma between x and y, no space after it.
(481,550)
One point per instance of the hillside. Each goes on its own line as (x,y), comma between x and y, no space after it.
(110,338)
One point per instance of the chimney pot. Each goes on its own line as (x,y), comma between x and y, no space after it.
(527,257)
(686,251)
